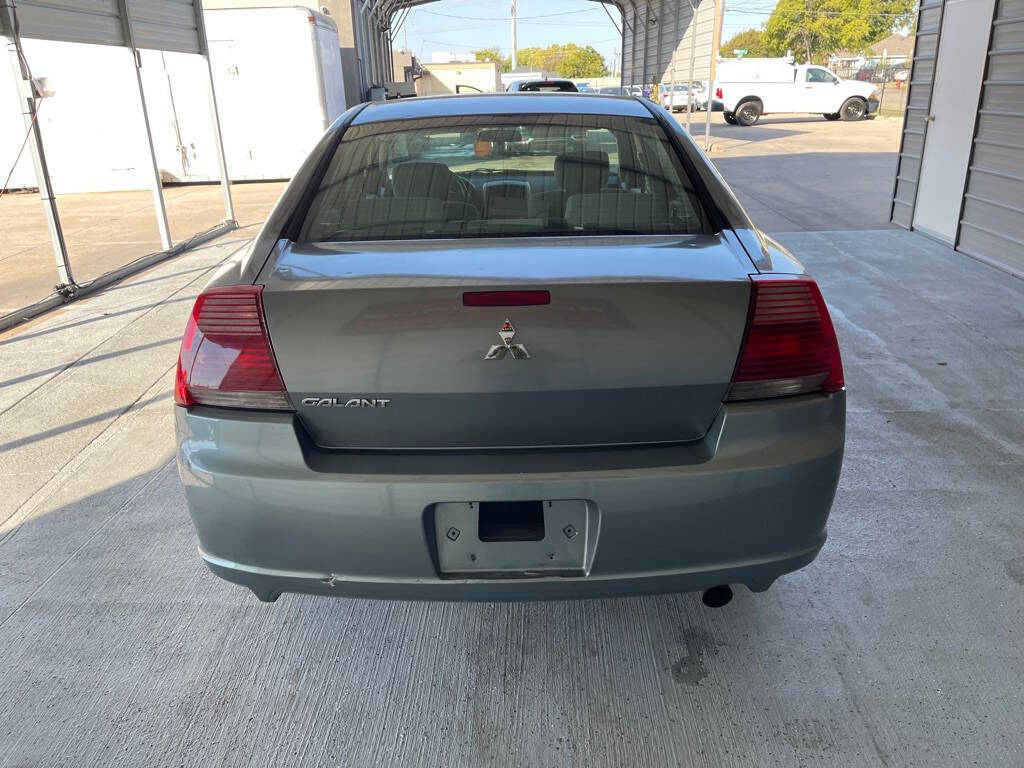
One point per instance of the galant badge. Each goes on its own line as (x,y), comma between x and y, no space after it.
(498,351)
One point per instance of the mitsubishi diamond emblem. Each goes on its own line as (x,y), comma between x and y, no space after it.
(498,351)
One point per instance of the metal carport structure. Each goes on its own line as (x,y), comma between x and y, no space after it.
(657,36)
(162,25)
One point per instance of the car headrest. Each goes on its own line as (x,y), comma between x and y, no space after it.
(617,209)
(583,171)
(420,179)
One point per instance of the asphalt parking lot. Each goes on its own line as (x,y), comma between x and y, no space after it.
(899,646)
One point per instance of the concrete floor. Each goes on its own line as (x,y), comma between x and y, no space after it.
(104,230)
(899,646)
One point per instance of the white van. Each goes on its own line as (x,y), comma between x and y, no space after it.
(749,88)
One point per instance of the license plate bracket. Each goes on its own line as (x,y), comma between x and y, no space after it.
(504,540)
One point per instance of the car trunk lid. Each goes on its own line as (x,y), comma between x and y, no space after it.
(379,350)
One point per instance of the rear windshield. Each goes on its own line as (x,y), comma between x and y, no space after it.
(503,176)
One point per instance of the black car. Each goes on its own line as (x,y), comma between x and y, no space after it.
(554,86)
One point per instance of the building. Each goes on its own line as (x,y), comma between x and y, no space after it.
(894,47)
(960,173)
(467,77)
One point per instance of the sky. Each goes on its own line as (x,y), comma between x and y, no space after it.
(468,25)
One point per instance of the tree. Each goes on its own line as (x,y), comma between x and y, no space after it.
(812,29)
(494,54)
(568,60)
(581,62)
(749,40)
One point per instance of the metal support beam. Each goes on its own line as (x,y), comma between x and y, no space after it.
(155,180)
(716,43)
(218,136)
(27,99)
(218,141)
(693,54)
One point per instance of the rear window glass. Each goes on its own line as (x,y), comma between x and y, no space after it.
(508,175)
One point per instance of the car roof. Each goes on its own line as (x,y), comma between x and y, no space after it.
(501,104)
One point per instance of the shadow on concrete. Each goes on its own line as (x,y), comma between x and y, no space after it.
(58,328)
(813,191)
(73,425)
(89,359)
(753,133)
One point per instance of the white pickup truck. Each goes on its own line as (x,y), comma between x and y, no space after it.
(749,88)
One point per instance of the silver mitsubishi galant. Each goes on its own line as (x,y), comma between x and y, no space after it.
(509,347)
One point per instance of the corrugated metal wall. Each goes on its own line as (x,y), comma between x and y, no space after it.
(165,25)
(992,220)
(656,40)
(915,123)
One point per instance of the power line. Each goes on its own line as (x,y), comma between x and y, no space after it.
(505,18)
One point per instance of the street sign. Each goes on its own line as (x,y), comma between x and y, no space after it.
(741,52)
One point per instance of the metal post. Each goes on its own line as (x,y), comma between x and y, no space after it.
(26,97)
(218,141)
(716,42)
(515,44)
(693,53)
(157,184)
(218,137)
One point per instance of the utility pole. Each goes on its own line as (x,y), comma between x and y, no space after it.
(514,44)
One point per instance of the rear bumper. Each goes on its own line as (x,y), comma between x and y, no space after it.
(744,505)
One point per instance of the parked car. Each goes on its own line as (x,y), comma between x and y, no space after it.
(749,88)
(438,373)
(532,86)
(676,96)
(614,90)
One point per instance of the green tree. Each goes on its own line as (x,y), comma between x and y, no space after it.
(494,54)
(812,29)
(569,60)
(749,40)
(581,62)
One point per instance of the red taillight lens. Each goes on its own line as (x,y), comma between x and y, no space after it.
(226,358)
(790,346)
(718,93)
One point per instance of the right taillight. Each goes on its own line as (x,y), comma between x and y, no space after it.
(718,93)
(789,347)
(226,358)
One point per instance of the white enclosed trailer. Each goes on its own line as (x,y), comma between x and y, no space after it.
(277,76)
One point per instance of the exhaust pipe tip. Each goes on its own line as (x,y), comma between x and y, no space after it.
(717,597)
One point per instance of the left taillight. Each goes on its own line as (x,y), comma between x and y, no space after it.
(226,358)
